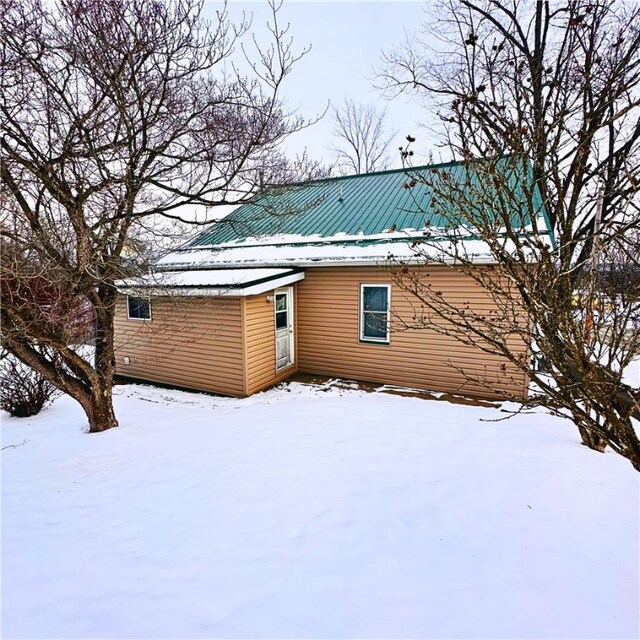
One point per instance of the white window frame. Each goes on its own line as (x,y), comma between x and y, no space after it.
(148,299)
(363,338)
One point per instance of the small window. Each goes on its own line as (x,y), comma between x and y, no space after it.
(374,312)
(138,308)
(282,320)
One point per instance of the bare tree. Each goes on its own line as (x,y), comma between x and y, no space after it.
(548,95)
(115,114)
(363,138)
(23,391)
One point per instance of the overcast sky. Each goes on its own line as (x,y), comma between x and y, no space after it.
(346,40)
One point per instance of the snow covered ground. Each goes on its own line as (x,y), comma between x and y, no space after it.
(313,512)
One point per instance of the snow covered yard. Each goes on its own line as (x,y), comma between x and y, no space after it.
(307,513)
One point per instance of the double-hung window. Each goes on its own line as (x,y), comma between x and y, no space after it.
(375,304)
(138,308)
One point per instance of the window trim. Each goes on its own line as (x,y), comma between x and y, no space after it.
(148,299)
(362,337)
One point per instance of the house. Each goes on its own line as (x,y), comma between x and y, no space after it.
(297,282)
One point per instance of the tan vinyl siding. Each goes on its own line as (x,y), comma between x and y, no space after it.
(189,342)
(260,345)
(329,339)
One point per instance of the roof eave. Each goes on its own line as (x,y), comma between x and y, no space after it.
(207,291)
(336,262)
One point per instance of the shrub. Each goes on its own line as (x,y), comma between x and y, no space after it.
(23,391)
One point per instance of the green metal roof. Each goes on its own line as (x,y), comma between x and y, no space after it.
(366,204)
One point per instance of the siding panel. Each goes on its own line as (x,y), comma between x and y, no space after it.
(328,336)
(194,343)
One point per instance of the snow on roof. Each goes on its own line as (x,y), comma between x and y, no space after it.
(212,281)
(272,255)
(279,251)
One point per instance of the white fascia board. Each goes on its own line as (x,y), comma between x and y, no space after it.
(276,283)
(361,262)
(348,262)
(253,290)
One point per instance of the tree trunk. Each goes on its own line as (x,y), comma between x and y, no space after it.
(100,411)
(630,443)
(591,440)
(620,435)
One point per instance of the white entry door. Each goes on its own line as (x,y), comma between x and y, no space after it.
(284,327)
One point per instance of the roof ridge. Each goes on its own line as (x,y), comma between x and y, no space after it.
(433,165)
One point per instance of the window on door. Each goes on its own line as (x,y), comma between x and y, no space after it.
(282,319)
(374,312)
